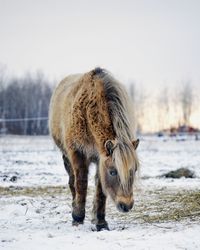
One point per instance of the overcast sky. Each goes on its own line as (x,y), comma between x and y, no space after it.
(152,42)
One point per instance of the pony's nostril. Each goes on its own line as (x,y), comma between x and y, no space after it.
(123,207)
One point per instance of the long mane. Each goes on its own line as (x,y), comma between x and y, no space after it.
(121,115)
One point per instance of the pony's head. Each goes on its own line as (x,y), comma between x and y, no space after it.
(117,171)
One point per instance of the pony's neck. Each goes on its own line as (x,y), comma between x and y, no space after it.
(98,116)
(101,128)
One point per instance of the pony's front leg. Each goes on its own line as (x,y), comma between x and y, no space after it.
(99,207)
(80,168)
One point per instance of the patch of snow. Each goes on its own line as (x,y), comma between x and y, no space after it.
(45,223)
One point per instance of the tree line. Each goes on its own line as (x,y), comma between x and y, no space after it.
(166,108)
(24,104)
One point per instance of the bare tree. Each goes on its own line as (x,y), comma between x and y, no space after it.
(132,91)
(186,99)
(140,101)
(163,108)
(2,98)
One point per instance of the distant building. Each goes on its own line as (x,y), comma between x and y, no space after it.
(181,130)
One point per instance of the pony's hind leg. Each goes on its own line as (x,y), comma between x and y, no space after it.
(69,170)
(99,205)
(80,169)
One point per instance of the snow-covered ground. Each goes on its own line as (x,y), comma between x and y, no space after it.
(35,205)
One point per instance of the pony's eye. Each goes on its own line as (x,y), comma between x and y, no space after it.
(113,172)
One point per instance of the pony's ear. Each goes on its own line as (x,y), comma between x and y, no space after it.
(135,143)
(109,146)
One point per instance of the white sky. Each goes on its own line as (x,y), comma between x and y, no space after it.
(152,42)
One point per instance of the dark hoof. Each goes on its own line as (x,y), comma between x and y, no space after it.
(102,227)
(77,219)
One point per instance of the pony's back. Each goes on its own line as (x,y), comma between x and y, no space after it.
(59,106)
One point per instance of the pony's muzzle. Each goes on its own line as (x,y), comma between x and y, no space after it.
(122,207)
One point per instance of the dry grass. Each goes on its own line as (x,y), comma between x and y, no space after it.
(170,206)
(152,206)
(33,191)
